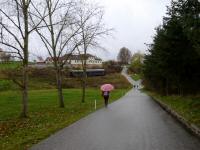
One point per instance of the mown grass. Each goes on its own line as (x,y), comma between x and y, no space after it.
(45,117)
(188,106)
(136,77)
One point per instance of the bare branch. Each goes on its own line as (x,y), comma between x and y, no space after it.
(12,34)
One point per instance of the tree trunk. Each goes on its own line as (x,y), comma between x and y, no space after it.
(59,87)
(84,79)
(83,90)
(24,112)
(181,91)
(167,87)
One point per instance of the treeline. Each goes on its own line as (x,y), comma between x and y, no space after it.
(173,63)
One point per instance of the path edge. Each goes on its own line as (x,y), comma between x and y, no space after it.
(190,127)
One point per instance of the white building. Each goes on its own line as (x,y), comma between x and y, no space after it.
(75,61)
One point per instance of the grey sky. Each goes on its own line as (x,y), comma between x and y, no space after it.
(134,22)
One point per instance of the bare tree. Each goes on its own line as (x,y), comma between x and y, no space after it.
(92,29)
(124,56)
(60,29)
(14,35)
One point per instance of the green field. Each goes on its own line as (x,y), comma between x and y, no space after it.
(188,107)
(45,117)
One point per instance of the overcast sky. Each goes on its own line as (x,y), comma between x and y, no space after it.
(134,22)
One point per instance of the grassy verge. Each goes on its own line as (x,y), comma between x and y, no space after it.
(188,107)
(136,77)
(45,117)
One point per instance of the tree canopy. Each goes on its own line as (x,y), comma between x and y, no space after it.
(172,65)
(124,56)
(136,63)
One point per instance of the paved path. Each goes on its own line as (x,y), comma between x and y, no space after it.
(135,122)
(138,83)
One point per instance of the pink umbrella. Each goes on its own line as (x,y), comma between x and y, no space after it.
(107,87)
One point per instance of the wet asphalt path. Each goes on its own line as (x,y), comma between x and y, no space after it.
(135,122)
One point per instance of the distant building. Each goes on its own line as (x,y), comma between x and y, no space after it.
(75,61)
(4,57)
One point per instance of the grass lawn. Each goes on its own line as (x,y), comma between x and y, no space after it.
(188,107)
(136,77)
(45,117)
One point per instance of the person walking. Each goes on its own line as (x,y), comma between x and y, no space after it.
(105,95)
(106,88)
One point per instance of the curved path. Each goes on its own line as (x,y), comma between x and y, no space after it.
(135,122)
